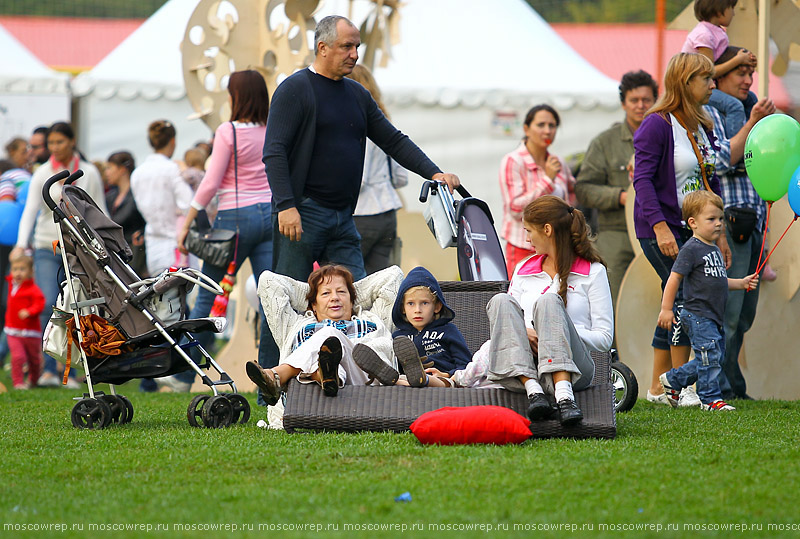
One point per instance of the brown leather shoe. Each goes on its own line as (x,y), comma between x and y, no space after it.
(270,386)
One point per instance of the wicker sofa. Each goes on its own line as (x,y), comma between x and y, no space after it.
(378,408)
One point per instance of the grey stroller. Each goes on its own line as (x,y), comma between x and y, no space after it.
(121,327)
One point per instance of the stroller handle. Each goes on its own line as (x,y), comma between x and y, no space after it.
(426,188)
(57,178)
(74,176)
(46,188)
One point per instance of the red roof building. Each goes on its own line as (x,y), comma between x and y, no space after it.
(69,44)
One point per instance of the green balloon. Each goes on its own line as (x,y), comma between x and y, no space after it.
(772,154)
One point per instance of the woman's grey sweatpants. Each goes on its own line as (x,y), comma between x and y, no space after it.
(560,346)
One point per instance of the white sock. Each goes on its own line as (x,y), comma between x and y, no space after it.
(532,386)
(564,391)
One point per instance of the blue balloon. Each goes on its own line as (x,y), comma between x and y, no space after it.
(22,192)
(10,214)
(794,191)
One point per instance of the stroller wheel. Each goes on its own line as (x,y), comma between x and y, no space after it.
(241,408)
(217,412)
(625,386)
(128,409)
(119,412)
(195,411)
(91,414)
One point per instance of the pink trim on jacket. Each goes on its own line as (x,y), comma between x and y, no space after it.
(533,265)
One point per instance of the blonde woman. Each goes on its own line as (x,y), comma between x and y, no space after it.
(376,211)
(674,150)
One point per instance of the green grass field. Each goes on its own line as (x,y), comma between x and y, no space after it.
(684,470)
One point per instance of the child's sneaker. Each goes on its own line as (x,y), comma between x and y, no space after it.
(718,405)
(673,395)
(688,398)
(661,398)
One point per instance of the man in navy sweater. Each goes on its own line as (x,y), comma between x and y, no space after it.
(314,156)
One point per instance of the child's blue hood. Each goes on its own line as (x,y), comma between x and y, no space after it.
(419,276)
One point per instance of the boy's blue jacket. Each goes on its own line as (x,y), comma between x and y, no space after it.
(440,340)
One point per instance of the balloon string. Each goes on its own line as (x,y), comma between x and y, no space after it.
(776,245)
(764,236)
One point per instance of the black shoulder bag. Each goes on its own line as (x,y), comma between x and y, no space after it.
(215,246)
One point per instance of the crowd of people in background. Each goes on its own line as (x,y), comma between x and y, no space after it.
(293,215)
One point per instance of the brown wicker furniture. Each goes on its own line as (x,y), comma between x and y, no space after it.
(394,408)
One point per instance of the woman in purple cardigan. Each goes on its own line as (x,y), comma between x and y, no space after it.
(675,154)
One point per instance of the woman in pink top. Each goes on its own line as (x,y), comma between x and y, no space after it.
(246,208)
(527,173)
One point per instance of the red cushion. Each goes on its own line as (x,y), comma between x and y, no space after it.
(471,425)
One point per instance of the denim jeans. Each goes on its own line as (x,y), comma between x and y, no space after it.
(740,311)
(46,267)
(709,349)
(329,236)
(255,244)
(663,339)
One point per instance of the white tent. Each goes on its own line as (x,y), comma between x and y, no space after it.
(138,82)
(459,83)
(31,94)
(462,78)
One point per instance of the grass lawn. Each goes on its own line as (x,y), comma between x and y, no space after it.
(666,468)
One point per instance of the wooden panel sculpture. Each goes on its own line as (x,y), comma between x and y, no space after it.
(229,35)
(275,37)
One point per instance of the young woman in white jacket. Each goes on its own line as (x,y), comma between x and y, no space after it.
(557,310)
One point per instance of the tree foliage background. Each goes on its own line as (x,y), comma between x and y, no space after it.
(579,11)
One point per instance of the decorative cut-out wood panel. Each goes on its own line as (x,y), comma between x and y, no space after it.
(275,37)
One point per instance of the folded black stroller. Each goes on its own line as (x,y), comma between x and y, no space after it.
(468,225)
(121,327)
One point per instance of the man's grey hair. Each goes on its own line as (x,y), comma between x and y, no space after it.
(326,30)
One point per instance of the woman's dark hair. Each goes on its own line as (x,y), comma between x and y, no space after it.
(636,79)
(705,10)
(159,133)
(123,159)
(726,55)
(532,113)
(324,274)
(570,234)
(62,128)
(249,97)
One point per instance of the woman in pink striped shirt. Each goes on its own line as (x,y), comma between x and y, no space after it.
(527,173)
(246,208)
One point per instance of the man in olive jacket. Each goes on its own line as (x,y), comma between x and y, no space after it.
(605,175)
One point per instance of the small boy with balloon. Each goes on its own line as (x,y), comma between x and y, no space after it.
(705,290)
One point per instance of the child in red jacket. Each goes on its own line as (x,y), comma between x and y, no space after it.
(23,330)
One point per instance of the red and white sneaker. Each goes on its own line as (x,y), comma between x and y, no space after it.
(673,395)
(718,405)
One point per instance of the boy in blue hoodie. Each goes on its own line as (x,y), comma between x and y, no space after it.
(425,329)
